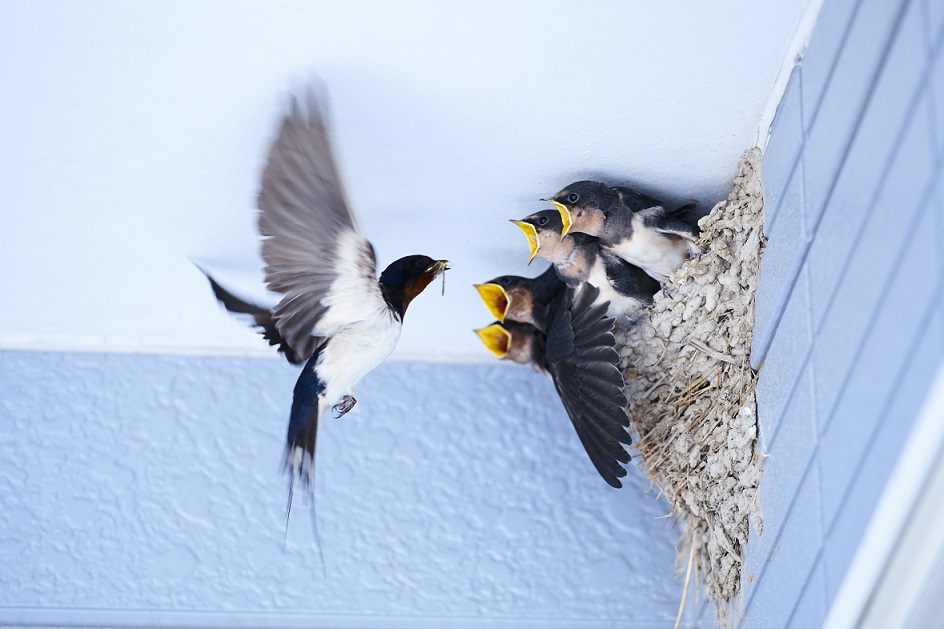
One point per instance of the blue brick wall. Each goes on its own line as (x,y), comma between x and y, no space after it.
(849,323)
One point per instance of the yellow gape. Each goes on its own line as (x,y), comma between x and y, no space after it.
(532,235)
(496,339)
(565,217)
(495,299)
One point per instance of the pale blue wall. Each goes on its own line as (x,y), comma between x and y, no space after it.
(146,490)
(849,306)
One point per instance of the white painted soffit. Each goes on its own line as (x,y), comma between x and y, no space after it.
(134,135)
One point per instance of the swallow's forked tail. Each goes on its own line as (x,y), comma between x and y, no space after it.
(302,439)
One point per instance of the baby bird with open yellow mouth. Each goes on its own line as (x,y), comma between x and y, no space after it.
(579,261)
(633,225)
(577,351)
(518,342)
(522,299)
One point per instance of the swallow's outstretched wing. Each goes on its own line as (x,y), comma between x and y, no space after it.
(583,363)
(261,318)
(315,253)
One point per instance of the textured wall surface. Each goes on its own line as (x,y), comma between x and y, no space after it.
(146,490)
(849,321)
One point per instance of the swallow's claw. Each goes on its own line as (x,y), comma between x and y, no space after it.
(342,407)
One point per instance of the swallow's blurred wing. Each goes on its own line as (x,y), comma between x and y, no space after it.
(261,318)
(315,254)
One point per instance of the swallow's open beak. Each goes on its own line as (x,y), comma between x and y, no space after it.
(495,299)
(437,267)
(565,217)
(532,235)
(496,339)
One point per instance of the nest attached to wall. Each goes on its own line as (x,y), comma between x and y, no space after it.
(691,386)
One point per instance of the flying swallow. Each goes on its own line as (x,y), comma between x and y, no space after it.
(631,224)
(334,315)
(578,353)
(522,299)
(578,259)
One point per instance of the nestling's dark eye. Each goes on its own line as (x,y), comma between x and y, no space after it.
(573,197)
(542,221)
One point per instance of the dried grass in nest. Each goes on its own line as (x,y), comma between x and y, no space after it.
(691,388)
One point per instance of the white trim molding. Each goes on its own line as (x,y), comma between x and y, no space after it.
(897,576)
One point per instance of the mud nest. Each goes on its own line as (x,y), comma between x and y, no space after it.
(691,386)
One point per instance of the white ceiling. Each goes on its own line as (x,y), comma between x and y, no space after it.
(133,135)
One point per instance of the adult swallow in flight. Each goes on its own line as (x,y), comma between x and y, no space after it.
(578,259)
(578,353)
(335,315)
(631,224)
(522,299)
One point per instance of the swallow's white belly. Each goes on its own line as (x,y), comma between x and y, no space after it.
(354,352)
(655,253)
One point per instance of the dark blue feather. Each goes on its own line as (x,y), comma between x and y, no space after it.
(303,423)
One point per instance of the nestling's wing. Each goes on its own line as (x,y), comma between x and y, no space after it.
(636,200)
(314,251)
(628,279)
(682,211)
(668,223)
(583,363)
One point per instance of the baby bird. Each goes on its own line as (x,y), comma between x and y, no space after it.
(518,342)
(631,224)
(578,259)
(578,353)
(522,299)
